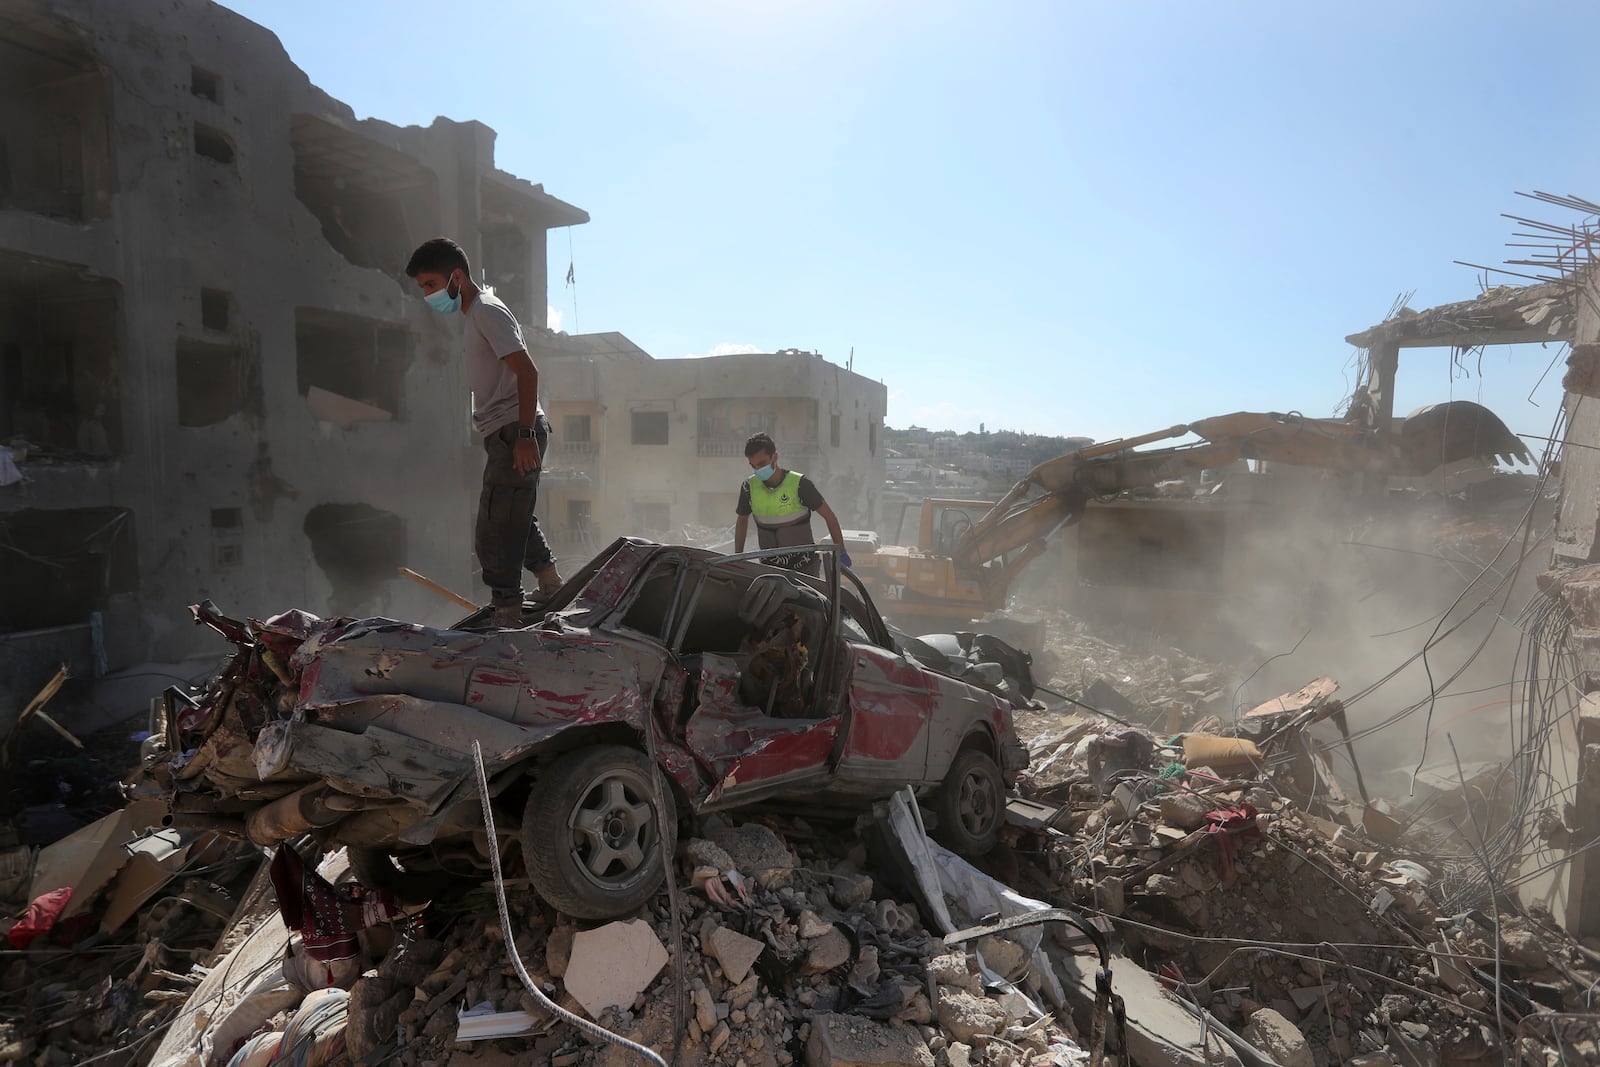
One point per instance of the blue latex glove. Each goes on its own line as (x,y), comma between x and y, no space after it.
(844,557)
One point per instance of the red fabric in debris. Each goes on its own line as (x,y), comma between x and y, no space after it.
(1228,825)
(326,916)
(42,915)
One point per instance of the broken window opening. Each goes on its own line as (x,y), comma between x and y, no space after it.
(61,565)
(652,517)
(508,266)
(650,427)
(833,431)
(55,143)
(60,360)
(651,609)
(205,84)
(227,518)
(374,203)
(727,422)
(216,310)
(360,362)
(215,382)
(213,144)
(359,548)
(575,430)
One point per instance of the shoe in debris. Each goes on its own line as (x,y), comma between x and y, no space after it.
(508,617)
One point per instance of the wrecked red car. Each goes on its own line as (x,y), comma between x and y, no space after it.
(659,684)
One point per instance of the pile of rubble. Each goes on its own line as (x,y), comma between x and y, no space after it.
(1246,905)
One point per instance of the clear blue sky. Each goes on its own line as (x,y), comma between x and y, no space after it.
(1049,216)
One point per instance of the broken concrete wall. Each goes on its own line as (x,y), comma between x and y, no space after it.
(234,238)
(665,445)
(1579,514)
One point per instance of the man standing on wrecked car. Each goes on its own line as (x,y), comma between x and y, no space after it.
(506,412)
(782,502)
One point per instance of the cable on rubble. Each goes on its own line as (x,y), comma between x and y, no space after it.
(590,1028)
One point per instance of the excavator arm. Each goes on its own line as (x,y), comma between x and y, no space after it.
(1055,493)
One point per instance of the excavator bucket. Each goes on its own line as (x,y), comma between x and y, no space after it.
(1440,434)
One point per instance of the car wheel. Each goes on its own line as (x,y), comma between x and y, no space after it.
(413,882)
(591,836)
(970,804)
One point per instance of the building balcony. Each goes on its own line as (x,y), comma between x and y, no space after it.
(560,447)
(560,476)
(733,448)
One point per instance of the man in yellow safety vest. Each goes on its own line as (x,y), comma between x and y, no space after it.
(782,503)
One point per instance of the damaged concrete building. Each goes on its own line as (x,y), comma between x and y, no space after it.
(649,446)
(212,368)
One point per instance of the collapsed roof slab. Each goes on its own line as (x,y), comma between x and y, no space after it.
(528,202)
(1504,315)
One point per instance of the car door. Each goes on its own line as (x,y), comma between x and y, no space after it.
(887,721)
(751,755)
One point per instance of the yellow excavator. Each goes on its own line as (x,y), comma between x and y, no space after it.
(969,553)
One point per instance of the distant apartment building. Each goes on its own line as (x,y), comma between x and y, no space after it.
(655,447)
(214,378)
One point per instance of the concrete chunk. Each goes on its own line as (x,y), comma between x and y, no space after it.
(825,953)
(1278,1038)
(1186,811)
(758,853)
(612,965)
(850,1041)
(734,951)
(951,969)
(965,1017)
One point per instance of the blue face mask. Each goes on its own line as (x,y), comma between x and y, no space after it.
(765,472)
(441,301)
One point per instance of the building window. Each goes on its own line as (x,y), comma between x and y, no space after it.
(833,431)
(872,436)
(227,518)
(762,422)
(216,309)
(205,84)
(650,427)
(355,359)
(55,145)
(61,369)
(215,382)
(651,516)
(575,429)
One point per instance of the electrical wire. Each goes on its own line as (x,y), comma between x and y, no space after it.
(590,1028)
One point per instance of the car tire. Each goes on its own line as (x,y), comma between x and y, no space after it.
(377,869)
(970,805)
(591,834)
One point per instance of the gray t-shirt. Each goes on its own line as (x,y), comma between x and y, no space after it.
(492,335)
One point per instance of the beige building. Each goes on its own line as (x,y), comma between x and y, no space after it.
(655,447)
(215,379)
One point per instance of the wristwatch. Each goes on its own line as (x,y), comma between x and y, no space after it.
(527,431)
